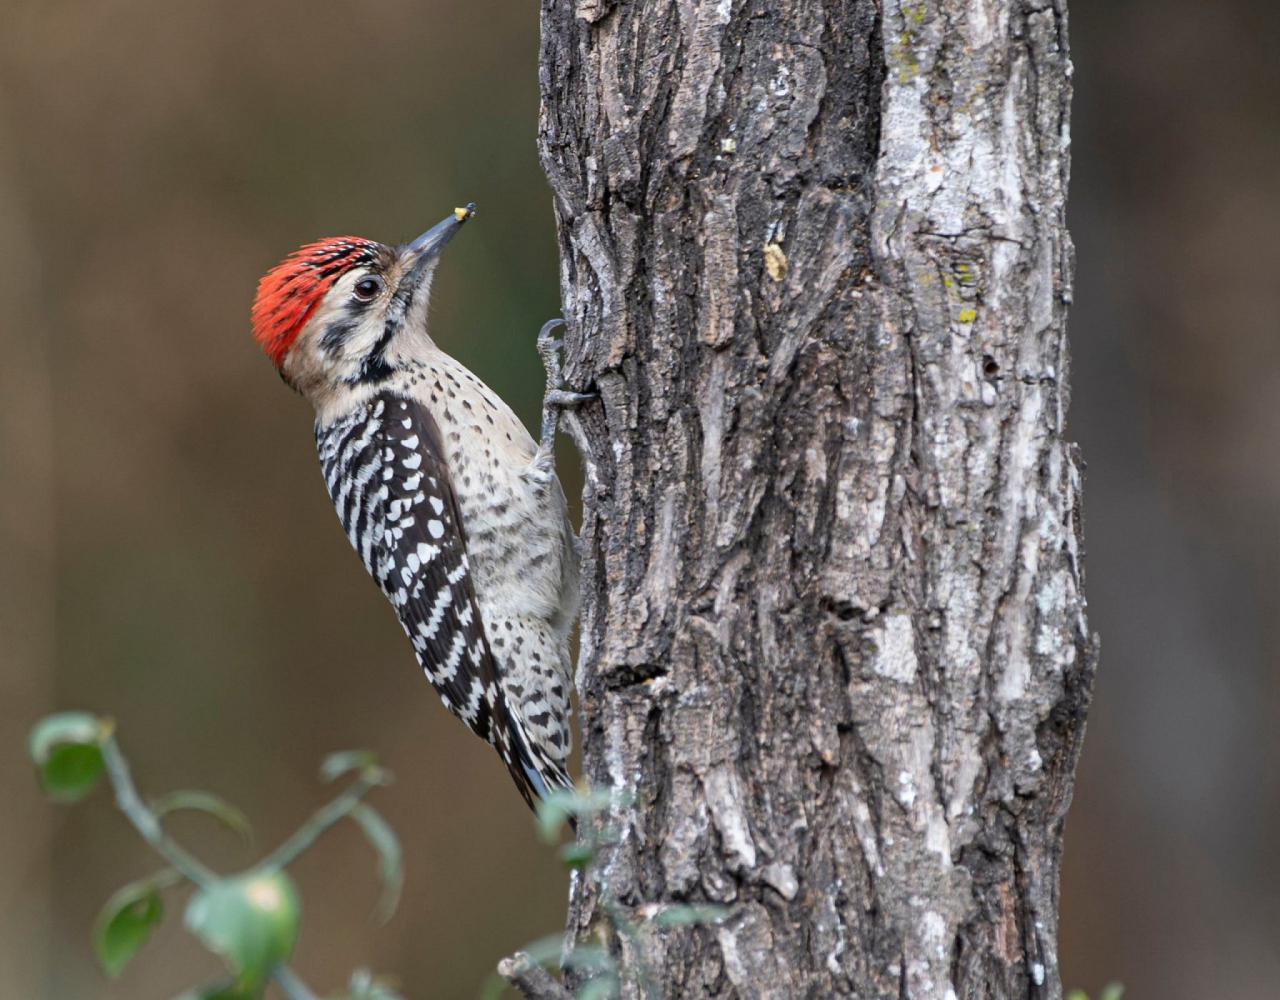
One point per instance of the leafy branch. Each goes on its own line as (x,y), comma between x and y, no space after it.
(249,919)
(595,969)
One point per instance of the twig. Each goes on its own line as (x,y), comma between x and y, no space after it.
(148,826)
(531,979)
(144,820)
(325,817)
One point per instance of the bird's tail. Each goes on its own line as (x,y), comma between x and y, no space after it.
(536,773)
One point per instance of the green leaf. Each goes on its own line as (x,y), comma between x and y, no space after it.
(71,772)
(127,919)
(689,915)
(67,750)
(1112,991)
(599,988)
(546,951)
(343,762)
(584,958)
(563,803)
(589,958)
(205,802)
(62,728)
(577,856)
(551,815)
(250,920)
(390,864)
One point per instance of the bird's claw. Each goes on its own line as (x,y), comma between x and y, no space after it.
(549,350)
(555,399)
(564,399)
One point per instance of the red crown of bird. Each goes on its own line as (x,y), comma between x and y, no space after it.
(289,293)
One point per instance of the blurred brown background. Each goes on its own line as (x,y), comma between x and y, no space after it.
(169,555)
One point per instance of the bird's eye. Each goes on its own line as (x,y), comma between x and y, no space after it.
(367,288)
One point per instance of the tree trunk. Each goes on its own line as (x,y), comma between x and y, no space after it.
(814,260)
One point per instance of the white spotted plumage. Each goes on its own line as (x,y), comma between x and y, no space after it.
(439,488)
(476,558)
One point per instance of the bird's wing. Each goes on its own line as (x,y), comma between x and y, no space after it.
(402,516)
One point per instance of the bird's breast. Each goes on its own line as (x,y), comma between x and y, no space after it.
(515,538)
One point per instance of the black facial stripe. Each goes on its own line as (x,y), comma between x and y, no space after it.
(335,333)
(373,369)
(339,330)
(388,331)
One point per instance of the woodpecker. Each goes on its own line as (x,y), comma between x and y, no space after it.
(455,512)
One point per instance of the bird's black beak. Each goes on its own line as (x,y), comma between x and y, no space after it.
(433,240)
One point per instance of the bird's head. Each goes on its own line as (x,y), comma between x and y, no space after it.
(345,311)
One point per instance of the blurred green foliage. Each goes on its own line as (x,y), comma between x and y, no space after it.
(595,968)
(250,919)
(1112,991)
(127,919)
(66,750)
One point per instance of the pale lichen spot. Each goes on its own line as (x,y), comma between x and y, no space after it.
(775,261)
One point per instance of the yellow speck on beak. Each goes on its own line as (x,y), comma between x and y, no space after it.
(462,214)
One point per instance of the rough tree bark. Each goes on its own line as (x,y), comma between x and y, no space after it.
(814,259)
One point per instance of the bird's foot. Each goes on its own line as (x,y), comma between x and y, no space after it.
(542,468)
(549,351)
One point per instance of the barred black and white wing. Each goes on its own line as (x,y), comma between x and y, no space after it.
(386,472)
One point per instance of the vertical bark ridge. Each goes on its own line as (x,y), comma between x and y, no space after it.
(814,258)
